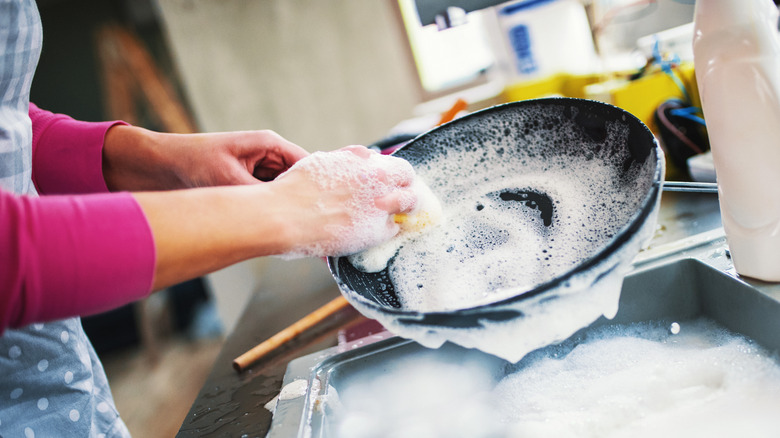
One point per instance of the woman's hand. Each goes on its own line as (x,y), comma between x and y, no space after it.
(342,202)
(328,204)
(137,159)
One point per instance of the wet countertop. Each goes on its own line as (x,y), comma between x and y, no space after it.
(231,404)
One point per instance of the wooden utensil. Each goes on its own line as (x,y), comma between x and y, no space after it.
(259,351)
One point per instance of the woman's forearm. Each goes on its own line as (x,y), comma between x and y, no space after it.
(201,230)
(80,255)
(333,203)
(136,159)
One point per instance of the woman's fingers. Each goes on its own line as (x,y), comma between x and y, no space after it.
(398,201)
(360,151)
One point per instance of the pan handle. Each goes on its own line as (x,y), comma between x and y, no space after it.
(691,187)
(461,320)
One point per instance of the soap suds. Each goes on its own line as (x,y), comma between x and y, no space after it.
(616,381)
(426,215)
(514,227)
(499,238)
(371,178)
(296,388)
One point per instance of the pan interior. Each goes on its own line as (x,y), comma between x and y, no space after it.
(528,192)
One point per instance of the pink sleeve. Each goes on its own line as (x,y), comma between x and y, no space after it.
(70,255)
(67,153)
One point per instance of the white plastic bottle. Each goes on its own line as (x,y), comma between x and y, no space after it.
(736,51)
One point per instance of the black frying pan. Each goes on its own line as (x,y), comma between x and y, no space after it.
(542,132)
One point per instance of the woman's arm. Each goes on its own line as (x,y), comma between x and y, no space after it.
(78,255)
(138,159)
(72,156)
(333,203)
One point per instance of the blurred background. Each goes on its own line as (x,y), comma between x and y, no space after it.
(325,75)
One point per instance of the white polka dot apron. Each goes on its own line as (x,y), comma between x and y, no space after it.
(53,385)
(51,381)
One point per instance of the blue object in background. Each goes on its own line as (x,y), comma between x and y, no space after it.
(520,39)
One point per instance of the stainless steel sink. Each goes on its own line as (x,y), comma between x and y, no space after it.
(682,280)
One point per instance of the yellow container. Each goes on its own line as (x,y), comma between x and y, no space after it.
(641,97)
(561,84)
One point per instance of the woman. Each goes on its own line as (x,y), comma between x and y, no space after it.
(114,223)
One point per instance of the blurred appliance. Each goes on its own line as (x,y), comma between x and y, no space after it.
(448,13)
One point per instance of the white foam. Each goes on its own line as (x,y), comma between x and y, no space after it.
(643,381)
(489,248)
(369,179)
(295,389)
(624,381)
(426,215)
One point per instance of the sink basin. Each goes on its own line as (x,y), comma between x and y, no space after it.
(678,282)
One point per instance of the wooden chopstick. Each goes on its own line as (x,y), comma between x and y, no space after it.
(259,351)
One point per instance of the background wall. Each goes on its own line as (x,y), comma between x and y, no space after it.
(323,74)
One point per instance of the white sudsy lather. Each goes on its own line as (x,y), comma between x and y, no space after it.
(371,178)
(620,381)
(426,215)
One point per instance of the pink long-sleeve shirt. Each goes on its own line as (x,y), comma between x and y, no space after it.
(77,249)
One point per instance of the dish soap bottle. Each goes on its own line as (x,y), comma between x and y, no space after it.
(736,48)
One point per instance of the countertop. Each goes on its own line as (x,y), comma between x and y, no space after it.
(231,404)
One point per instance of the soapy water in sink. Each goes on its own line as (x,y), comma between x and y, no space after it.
(617,381)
